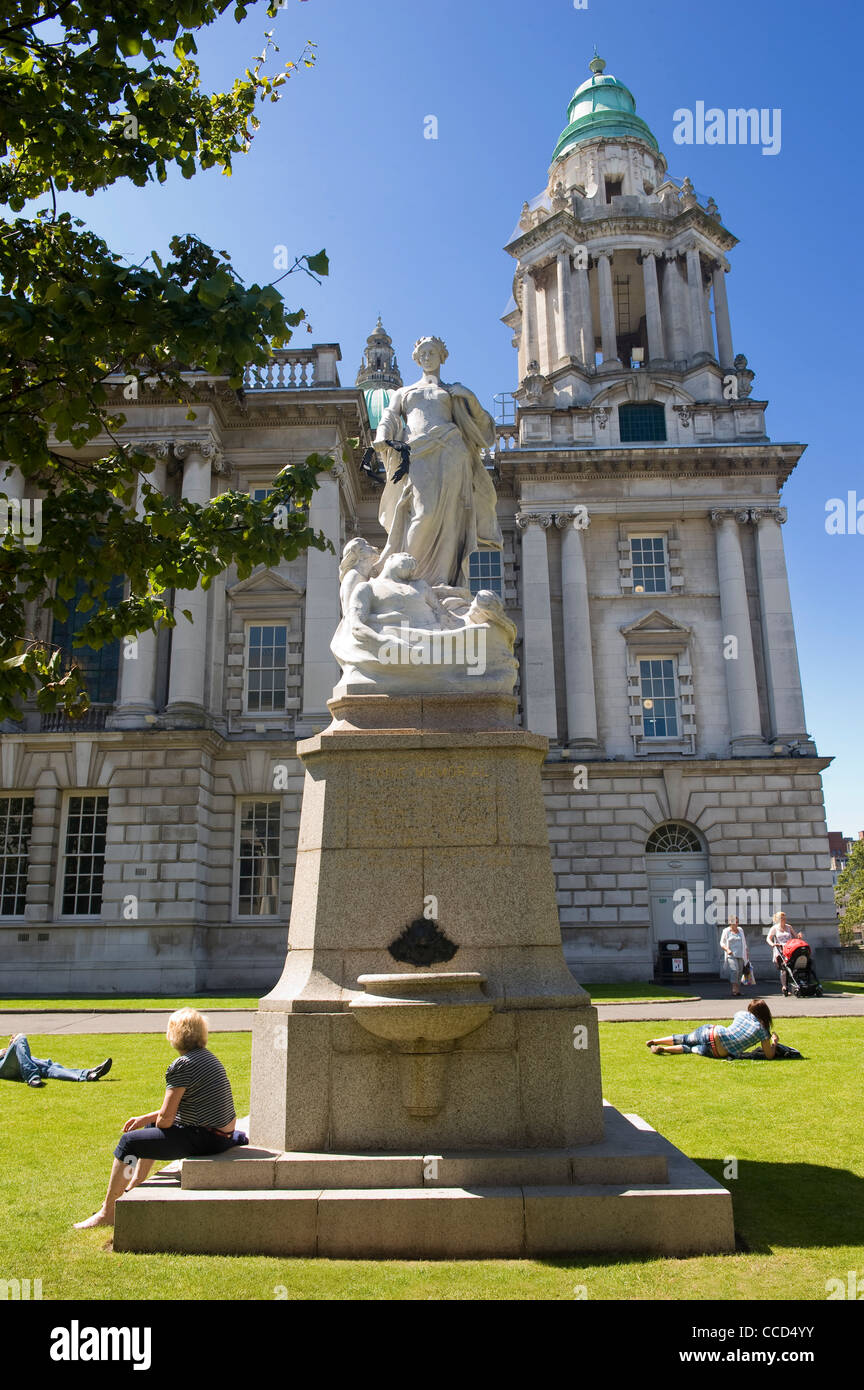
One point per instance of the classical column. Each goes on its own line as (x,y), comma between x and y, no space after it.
(585,322)
(538,651)
(545,330)
(12,483)
(322,613)
(578,657)
(656,347)
(530,351)
(745,724)
(564,323)
(725,355)
(136,693)
(697,304)
(609,342)
(188,670)
(785,699)
(675,309)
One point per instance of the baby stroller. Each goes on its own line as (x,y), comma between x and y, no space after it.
(797,962)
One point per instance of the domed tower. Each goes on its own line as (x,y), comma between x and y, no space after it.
(658,642)
(619,269)
(379,374)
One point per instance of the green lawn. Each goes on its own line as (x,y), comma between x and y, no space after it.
(125,1003)
(794,1129)
(636,992)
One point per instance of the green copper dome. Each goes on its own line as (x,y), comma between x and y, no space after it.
(602,108)
(377,400)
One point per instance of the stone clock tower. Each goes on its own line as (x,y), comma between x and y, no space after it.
(658,640)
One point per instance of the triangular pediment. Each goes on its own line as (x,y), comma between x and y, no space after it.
(264,581)
(655,622)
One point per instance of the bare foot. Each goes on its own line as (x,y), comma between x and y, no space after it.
(655,1047)
(97,1219)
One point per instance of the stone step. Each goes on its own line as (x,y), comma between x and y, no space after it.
(629,1153)
(418,1223)
(685,1212)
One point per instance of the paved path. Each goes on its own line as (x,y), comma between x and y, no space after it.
(720,1005)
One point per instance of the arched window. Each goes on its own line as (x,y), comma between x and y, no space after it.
(644,423)
(673,838)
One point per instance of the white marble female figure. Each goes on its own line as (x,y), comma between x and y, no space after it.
(446,507)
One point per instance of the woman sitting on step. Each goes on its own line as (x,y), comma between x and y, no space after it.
(196,1115)
(749,1026)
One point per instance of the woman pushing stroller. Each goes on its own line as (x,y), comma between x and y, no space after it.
(779,935)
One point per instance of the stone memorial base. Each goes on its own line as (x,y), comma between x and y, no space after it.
(426,1073)
(631,1192)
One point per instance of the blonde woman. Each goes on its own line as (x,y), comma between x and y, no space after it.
(196,1115)
(778,936)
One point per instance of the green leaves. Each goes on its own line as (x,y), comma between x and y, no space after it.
(92,99)
(319,264)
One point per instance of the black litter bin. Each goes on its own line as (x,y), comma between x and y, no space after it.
(673,961)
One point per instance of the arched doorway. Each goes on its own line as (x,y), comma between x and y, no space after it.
(676,858)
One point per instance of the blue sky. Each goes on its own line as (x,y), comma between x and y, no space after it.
(414,227)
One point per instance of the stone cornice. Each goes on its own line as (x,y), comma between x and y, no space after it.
(638,767)
(624,227)
(688,461)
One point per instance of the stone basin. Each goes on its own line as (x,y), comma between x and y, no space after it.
(438,1007)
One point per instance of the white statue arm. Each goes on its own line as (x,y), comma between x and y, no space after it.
(359,609)
(390,425)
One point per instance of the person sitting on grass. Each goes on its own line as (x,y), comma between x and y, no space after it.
(196,1115)
(749,1026)
(17,1063)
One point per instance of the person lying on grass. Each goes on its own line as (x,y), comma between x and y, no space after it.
(196,1115)
(17,1063)
(749,1026)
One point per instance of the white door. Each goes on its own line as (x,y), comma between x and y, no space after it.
(666,873)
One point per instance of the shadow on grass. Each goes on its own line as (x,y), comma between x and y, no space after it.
(792,1204)
(776,1205)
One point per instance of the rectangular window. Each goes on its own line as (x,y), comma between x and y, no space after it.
(84,857)
(259,492)
(259,858)
(484,572)
(266,668)
(613,188)
(659,701)
(648,560)
(99,666)
(16,822)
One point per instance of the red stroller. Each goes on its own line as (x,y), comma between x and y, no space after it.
(796,963)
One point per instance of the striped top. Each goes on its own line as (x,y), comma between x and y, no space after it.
(207,1099)
(744,1030)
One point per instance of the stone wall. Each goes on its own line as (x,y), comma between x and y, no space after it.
(169,919)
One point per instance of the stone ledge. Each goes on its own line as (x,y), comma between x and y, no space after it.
(487,1214)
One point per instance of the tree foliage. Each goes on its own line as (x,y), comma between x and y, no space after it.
(88,98)
(849,891)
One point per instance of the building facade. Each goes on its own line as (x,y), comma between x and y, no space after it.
(151,845)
